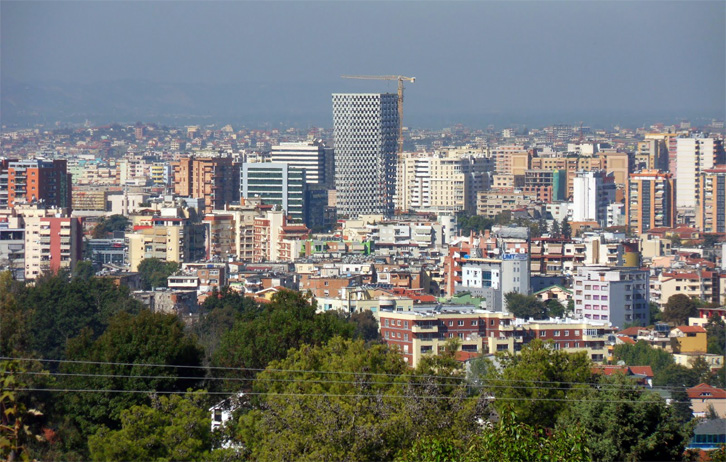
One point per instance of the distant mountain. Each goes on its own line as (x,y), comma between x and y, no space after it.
(24,104)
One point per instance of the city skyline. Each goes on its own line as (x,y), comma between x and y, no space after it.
(487,62)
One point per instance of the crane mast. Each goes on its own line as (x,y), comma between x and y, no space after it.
(400,79)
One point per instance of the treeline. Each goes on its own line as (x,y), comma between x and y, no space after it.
(88,373)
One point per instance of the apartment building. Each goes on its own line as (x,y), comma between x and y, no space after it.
(52,241)
(34,181)
(214,179)
(618,295)
(651,201)
(168,238)
(711,212)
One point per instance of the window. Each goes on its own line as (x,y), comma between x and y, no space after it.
(451,323)
(405,324)
(543,333)
(405,337)
(387,334)
(398,322)
(461,335)
(451,335)
(567,333)
(604,297)
(577,332)
(596,297)
(461,323)
(557,333)
(567,345)
(473,323)
(491,322)
(387,324)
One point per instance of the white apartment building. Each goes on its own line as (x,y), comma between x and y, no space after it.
(308,155)
(592,194)
(494,278)
(441,182)
(618,295)
(693,155)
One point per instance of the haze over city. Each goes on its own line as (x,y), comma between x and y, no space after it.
(278,62)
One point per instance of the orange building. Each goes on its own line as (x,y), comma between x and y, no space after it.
(711,211)
(35,181)
(651,201)
(215,179)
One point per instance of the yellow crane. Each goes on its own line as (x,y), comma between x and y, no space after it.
(400,80)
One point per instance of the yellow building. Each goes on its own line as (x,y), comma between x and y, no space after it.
(689,339)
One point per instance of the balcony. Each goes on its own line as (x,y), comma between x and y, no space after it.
(424,328)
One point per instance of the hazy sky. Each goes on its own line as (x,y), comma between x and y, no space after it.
(467,56)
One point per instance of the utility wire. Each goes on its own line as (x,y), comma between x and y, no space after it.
(328,395)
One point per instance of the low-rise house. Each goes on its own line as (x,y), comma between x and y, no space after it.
(688,339)
(703,396)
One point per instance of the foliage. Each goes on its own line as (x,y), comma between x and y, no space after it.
(115,361)
(718,455)
(555,308)
(716,335)
(366,326)
(536,383)
(525,306)
(655,313)
(15,432)
(352,402)
(675,375)
(154,272)
(506,441)
(171,428)
(624,422)
(679,308)
(566,229)
(289,321)
(58,308)
(475,223)
(109,225)
(221,309)
(15,336)
(642,354)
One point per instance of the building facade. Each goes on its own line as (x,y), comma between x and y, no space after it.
(651,201)
(276,184)
(618,295)
(365,129)
(711,213)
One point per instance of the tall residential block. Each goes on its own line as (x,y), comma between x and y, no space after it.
(651,201)
(593,192)
(52,241)
(35,181)
(214,179)
(711,213)
(693,156)
(365,129)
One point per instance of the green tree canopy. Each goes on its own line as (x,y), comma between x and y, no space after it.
(642,354)
(115,361)
(289,321)
(624,422)
(679,308)
(536,383)
(525,306)
(59,308)
(172,428)
(109,225)
(716,335)
(349,401)
(154,272)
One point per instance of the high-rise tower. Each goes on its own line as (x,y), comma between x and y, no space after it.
(365,130)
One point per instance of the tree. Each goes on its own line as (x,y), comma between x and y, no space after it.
(566,229)
(624,422)
(536,383)
(507,441)
(289,321)
(655,312)
(170,428)
(15,336)
(555,308)
(116,361)
(366,326)
(154,272)
(679,308)
(109,225)
(525,306)
(555,229)
(352,402)
(716,335)
(60,308)
(15,431)
(642,354)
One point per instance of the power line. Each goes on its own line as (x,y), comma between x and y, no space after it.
(329,395)
(312,371)
(486,383)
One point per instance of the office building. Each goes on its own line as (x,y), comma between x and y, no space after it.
(278,184)
(365,129)
(309,156)
(651,201)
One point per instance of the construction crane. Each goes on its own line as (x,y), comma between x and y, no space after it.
(400,80)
